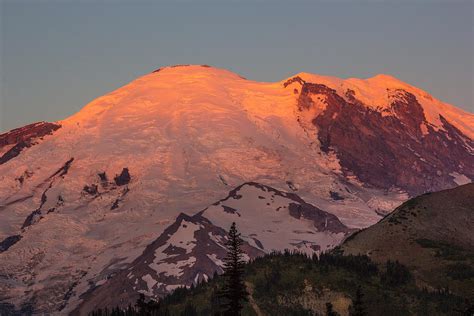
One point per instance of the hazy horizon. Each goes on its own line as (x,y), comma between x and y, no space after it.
(57,57)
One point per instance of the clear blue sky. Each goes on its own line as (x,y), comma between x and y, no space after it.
(56,56)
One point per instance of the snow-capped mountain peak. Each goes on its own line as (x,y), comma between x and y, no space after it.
(175,140)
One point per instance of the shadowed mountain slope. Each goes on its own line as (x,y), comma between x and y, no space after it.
(431,234)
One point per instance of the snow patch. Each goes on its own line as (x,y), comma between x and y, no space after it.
(218,262)
(172,268)
(150,283)
(460,179)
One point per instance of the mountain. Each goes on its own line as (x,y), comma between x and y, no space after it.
(191,249)
(432,235)
(416,261)
(84,197)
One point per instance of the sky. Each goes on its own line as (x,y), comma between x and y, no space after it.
(56,56)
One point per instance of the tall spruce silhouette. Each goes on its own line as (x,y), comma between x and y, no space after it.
(234,292)
(358,306)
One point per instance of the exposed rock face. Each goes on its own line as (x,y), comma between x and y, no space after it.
(103,177)
(321,220)
(393,147)
(335,196)
(27,132)
(8,242)
(23,137)
(123,178)
(61,172)
(91,189)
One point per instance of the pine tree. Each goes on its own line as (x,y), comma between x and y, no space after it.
(141,305)
(234,292)
(358,307)
(144,308)
(189,310)
(330,311)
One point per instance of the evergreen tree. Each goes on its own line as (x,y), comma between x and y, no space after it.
(234,291)
(330,311)
(189,310)
(358,307)
(144,308)
(396,274)
(141,305)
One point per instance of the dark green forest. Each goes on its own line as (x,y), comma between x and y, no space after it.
(291,283)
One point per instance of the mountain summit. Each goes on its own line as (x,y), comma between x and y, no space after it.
(81,199)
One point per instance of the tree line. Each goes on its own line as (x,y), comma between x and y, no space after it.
(232,294)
